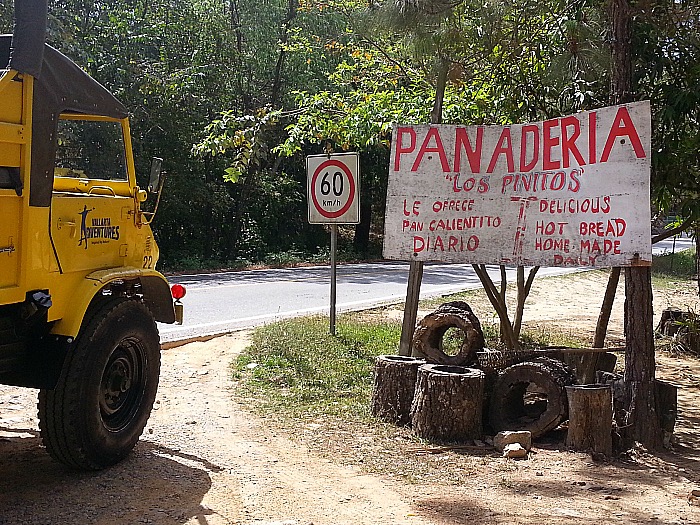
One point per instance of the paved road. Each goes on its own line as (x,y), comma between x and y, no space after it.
(222,302)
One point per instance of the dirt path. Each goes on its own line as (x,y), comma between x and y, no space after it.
(201,460)
(204,460)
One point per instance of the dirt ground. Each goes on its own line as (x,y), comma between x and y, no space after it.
(204,459)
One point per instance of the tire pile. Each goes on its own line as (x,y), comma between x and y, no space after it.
(522,391)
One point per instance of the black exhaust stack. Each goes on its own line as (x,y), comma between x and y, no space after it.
(29,36)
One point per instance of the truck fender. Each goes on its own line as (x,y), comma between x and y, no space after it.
(101,285)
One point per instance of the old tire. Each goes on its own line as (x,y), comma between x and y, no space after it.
(429,334)
(530,396)
(100,406)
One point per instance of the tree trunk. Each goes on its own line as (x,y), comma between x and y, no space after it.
(524,287)
(642,421)
(590,418)
(601,328)
(394,385)
(285,25)
(498,302)
(415,271)
(361,240)
(697,254)
(448,402)
(621,51)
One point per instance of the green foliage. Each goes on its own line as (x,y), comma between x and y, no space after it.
(667,51)
(299,368)
(686,339)
(243,137)
(680,265)
(256,88)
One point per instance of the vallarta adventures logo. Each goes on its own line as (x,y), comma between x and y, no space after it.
(98,229)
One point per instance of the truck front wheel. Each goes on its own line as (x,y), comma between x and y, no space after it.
(96,413)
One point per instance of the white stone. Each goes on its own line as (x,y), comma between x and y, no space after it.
(514,451)
(522,437)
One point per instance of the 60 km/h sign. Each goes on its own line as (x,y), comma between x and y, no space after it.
(333,188)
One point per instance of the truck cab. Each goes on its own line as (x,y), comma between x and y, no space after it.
(79,293)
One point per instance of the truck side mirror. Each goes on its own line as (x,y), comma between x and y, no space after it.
(156,170)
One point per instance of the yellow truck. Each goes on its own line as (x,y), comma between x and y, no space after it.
(79,293)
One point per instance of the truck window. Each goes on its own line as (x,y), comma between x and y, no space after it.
(90,149)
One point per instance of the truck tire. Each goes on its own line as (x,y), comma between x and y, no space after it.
(100,406)
(531,396)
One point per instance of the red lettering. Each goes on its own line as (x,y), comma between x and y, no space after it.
(591,137)
(418,244)
(415,210)
(548,143)
(623,127)
(507,181)
(433,133)
(535,131)
(568,143)
(504,147)
(473,154)
(574,183)
(400,149)
(483,185)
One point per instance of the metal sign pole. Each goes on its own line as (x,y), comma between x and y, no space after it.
(333,191)
(334,247)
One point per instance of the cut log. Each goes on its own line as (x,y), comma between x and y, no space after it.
(667,408)
(447,406)
(590,418)
(585,365)
(428,337)
(530,396)
(394,385)
(671,320)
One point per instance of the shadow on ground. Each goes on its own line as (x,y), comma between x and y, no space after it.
(153,485)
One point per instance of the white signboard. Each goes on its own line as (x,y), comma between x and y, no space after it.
(333,188)
(570,191)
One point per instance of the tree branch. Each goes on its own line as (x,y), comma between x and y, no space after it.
(673,231)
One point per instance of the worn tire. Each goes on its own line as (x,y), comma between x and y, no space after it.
(516,401)
(100,406)
(428,337)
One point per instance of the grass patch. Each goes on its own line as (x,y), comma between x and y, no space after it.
(297,368)
(680,265)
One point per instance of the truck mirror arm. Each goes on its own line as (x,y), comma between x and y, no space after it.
(155,185)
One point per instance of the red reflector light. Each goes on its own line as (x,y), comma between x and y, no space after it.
(178,291)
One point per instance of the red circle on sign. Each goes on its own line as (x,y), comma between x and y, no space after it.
(351,183)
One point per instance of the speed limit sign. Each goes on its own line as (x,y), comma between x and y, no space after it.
(333,187)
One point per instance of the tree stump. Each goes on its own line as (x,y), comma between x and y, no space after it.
(667,407)
(530,396)
(585,365)
(590,418)
(394,385)
(428,337)
(670,321)
(447,405)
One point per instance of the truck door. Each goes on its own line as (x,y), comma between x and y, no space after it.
(12,140)
(92,209)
